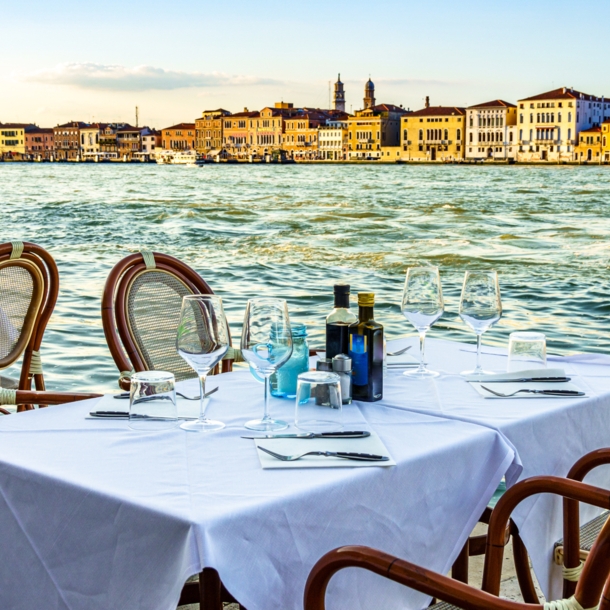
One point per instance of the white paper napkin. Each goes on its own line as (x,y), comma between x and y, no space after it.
(516,375)
(293,446)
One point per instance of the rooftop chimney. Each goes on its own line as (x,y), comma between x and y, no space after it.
(427,101)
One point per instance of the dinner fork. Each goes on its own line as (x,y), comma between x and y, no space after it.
(400,351)
(362,457)
(544,392)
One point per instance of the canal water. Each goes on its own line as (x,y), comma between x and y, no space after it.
(292,231)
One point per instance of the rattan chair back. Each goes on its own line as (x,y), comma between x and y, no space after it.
(140,313)
(29,285)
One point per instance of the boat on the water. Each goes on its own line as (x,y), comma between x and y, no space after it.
(180,157)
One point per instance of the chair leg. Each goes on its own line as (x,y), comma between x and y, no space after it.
(524,574)
(459,570)
(209,590)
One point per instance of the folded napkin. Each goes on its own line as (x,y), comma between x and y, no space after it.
(529,373)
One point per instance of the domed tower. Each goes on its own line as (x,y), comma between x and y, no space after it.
(369,94)
(339,95)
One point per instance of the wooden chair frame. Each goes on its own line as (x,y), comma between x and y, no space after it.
(32,397)
(591,586)
(45,263)
(114,312)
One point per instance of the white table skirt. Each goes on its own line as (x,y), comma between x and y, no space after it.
(95,516)
(549,435)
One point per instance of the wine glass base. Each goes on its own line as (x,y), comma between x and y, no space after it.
(206,425)
(475,373)
(421,373)
(266,425)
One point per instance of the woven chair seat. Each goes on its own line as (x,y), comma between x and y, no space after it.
(443,606)
(8,383)
(588,534)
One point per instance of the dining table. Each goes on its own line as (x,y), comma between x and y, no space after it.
(97,516)
(549,434)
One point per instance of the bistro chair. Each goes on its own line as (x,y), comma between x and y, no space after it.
(29,285)
(593,587)
(140,312)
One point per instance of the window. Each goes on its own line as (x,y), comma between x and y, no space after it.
(421,134)
(471,121)
(459,135)
(470,138)
(521,118)
(569,117)
(532,117)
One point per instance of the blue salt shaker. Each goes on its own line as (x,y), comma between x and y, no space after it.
(284,380)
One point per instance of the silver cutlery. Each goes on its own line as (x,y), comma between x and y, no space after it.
(400,351)
(125,415)
(123,395)
(341,434)
(362,457)
(528,379)
(543,392)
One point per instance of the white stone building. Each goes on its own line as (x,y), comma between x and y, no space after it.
(548,124)
(491,131)
(332,141)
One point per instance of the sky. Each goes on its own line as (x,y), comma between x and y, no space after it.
(96,61)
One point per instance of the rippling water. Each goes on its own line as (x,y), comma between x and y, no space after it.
(292,231)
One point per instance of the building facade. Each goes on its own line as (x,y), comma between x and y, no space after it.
(128,142)
(209,131)
(238,133)
(333,140)
(12,139)
(90,141)
(39,143)
(66,140)
(589,147)
(267,133)
(301,137)
(371,129)
(549,124)
(151,141)
(606,141)
(434,133)
(108,141)
(491,131)
(178,137)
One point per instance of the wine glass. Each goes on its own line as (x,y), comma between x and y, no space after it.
(266,344)
(202,340)
(422,305)
(480,307)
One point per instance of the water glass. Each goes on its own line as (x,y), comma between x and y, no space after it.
(526,350)
(152,401)
(284,380)
(318,402)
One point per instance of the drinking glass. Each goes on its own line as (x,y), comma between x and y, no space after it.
(152,401)
(526,350)
(266,344)
(480,307)
(202,340)
(422,305)
(318,402)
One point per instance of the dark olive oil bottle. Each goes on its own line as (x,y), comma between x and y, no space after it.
(338,322)
(366,352)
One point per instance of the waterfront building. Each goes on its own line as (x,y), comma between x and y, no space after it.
(333,140)
(39,143)
(267,134)
(108,141)
(589,147)
(373,128)
(491,131)
(150,141)
(209,131)
(339,97)
(90,141)
(434,133)
(549,124)
(178,137)
(128,142)
(66,141)
(238,133)
(12,139)
(606,141)
(301,136)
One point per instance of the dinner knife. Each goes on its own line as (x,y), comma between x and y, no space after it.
(305,435)
(125,415)
(527,379)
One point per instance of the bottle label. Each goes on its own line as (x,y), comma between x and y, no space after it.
(360,361)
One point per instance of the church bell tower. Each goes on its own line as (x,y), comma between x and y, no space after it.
(369,94)
(339,95)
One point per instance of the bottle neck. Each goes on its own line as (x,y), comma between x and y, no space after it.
(365,313)
(342,301)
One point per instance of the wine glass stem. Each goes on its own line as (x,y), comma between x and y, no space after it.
(202,377)
(267,396)
(478,367)
(422,346)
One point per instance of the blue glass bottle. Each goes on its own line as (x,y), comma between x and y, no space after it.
(284,380)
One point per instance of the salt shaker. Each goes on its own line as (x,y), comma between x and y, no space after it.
(322,395)
(342,365)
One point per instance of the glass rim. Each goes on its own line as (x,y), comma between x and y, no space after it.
(267,300)
(319,377)
(527,335)
(153,376)
(201,296)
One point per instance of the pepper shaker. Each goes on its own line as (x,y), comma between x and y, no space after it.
(322,392)
(342,365)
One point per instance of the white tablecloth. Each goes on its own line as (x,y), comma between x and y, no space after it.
(549,435)
(95,516)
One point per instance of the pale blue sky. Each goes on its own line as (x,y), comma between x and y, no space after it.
(96,60)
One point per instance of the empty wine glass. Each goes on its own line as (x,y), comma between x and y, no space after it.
(422,305)
(480,307)
(202,340)
(266,344)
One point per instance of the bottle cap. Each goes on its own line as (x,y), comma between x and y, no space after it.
(342,363)
(366,299)
(341,288)
(324,364)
